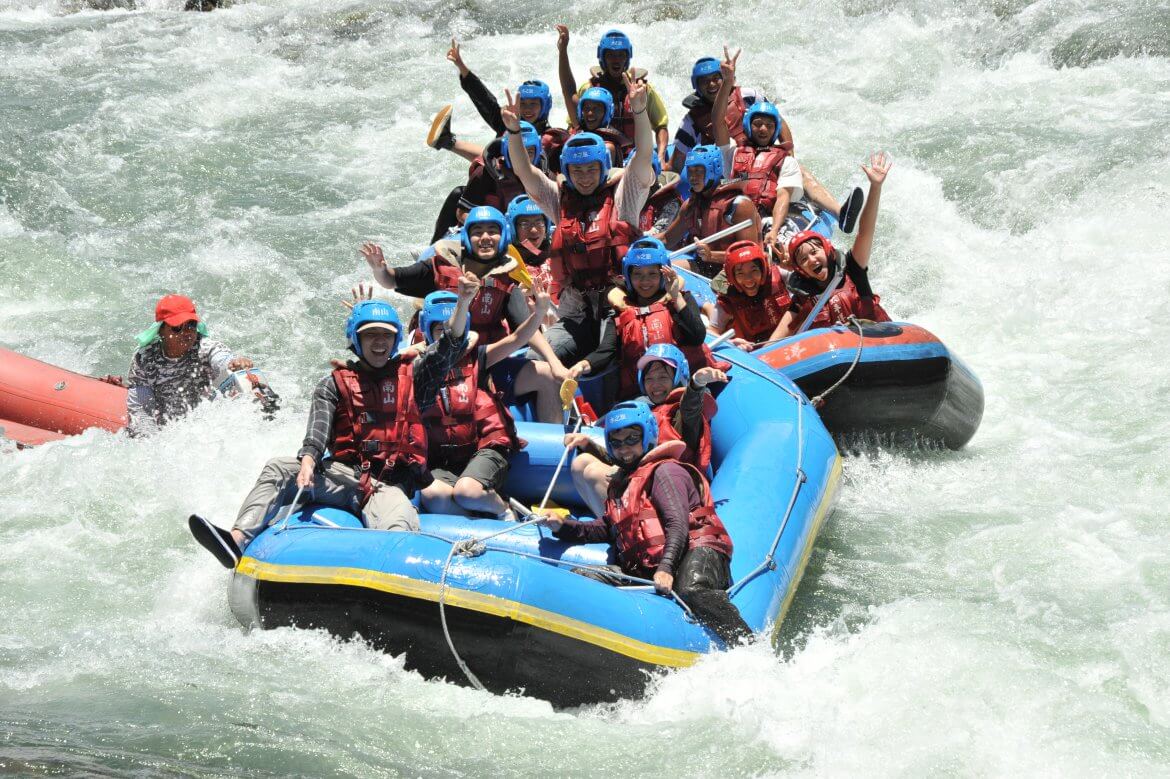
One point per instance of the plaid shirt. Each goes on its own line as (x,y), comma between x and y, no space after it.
(430,368)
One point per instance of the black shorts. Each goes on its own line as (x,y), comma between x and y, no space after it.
(504,375)
(487,466)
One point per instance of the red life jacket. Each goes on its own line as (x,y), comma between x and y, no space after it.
(501,188)
(704,214)
(539,267)
(590,241)
(760,168)
(639,328)
(641,537)
(553,139)
(755,318)
(843,303)
(466,417)
(700,114)
(665,412)
(489,306)
(656,202)
(377,426)
(623,117)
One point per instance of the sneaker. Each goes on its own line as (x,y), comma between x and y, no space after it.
(440,136)
(851,209)
(215,540)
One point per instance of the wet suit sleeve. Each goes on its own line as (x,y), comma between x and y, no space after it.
(477,188)
(576,532)
(689,324)
(433,365)
(607,346)
(858,275)
(689,420)
(484,101)
(673,495)
(319,431)
(416,280)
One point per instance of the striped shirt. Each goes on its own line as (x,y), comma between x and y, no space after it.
(163,388)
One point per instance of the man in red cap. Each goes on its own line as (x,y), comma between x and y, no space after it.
(176,366)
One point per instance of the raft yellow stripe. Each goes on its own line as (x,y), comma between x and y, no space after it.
(818,520)
(397,584)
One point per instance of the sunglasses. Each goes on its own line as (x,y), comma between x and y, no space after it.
(186,327)
(633,439)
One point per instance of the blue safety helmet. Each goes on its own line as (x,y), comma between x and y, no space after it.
(536,90)
(437,307)
(707,66)
(522,205)
(482,215)
(531,138)
(614,40)
(596,95)
(582,149)
(669,354)
(710,159)
(632,413)
(762,108)
(369,312)
(654,161)
(645,252)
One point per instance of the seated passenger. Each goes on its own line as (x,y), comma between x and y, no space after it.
(663,519)
(711,207)
(615,52)
(535,106)
(491,179)
(175,367)
(368,416)
(500,304)
(772,177)
(596,220)
(470,433)
(756,299)
(816,261)
(682,415)
(697,127)
(594,114)
(654,309)
(532,239)
(682,404)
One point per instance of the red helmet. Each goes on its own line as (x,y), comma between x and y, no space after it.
(804,237)
(741,253)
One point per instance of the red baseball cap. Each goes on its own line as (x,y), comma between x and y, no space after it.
(175,310)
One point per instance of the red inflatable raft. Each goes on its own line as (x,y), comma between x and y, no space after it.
(41,402)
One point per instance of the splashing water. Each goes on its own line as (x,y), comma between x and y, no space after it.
(1005,609)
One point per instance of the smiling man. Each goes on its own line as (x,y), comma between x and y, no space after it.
(176,366)
(368,416)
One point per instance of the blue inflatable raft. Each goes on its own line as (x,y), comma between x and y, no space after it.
(513,611)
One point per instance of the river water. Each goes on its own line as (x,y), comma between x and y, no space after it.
(1000,610)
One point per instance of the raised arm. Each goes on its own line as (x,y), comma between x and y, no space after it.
(565,72)
(383,274)
(523,334)
(641,165)
(719,108)
(879,166)
(543,190)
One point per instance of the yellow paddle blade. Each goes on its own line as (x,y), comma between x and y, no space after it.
(519,274)
(568,392)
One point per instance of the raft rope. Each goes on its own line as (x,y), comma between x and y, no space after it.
(819,399)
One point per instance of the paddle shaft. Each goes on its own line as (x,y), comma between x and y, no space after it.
(735,228)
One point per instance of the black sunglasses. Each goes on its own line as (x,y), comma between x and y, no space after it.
(630,440)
